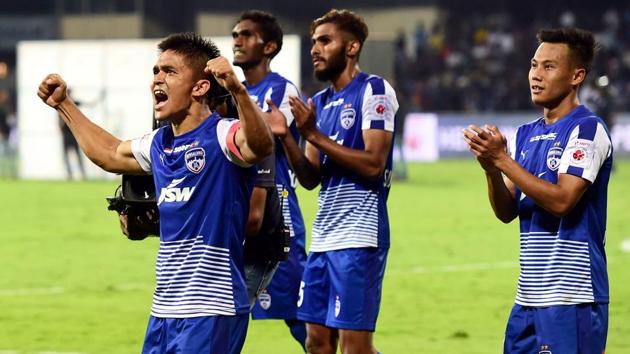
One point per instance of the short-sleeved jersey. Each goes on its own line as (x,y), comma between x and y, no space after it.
(279,89)
(562,258)
(203,199)
(284,286)
(352,210)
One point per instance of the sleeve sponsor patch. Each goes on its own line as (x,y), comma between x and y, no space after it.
(580,153)
(379,107)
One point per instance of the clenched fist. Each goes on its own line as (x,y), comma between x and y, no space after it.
(222,70)
(52,90)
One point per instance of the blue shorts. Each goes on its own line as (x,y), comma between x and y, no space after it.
(279,299)
(568,329)
(196,335)
(342,289)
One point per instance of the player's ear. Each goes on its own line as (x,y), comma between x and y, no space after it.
(201,88)
(352,48)
(579,74)
(270,48)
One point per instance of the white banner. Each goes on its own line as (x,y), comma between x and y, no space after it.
(420,137)
(110,78)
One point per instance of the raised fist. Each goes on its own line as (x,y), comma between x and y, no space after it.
(52,90)
(222,70)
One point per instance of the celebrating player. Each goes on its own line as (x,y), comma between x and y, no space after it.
(200,168)
(556,182)
(348,128)
(257,39)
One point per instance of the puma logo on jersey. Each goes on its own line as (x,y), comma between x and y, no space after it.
(172,193)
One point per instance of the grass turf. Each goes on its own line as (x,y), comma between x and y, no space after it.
(69,282)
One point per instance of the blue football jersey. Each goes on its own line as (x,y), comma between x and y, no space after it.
(279,300)
(352,210)
(279,89)
(203,198)
(562,258)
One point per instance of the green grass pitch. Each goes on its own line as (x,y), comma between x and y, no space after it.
(70,283)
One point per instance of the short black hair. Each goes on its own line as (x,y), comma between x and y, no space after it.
(269,26)
(197,52)
(581,43)
(346,21)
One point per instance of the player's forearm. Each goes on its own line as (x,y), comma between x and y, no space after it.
(551,197)
(307,174)
(257,134)
(256,211)
(501,199)
(97,144)
(368,164)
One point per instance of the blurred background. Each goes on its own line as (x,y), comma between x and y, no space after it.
(452,63)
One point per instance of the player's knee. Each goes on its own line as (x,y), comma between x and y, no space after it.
(318,347)
(353,342)
(319,343)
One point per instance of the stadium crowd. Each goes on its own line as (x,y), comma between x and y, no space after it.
(475,63)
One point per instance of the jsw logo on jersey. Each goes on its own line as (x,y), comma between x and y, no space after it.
(335,103)
(172,193)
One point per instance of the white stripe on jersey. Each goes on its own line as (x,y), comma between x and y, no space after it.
(553,271)
(141,150)
(193,279)
(346,218)
(370,103)
(289,91)
(594,153)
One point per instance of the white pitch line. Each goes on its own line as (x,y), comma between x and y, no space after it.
(60,290)
(11,351)
(31,292)
(134,287)
(472,267)
(457,268)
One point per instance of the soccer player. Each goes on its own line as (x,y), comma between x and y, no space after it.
(199,164)
(556,182)
(348,129)
(257,39)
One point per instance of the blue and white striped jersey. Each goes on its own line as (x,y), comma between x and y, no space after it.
(562,259)
(279,89)
(352,211)
(203,199)
(284,287)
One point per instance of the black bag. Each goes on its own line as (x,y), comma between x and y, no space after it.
(135,201)
(273,241)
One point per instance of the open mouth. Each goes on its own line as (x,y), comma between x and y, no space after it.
(160,97)
(536,89)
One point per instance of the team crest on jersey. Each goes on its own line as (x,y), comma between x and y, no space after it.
(347,118)
(553,157)
(195,159)
(337,306)
(264,300)
(545,349)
